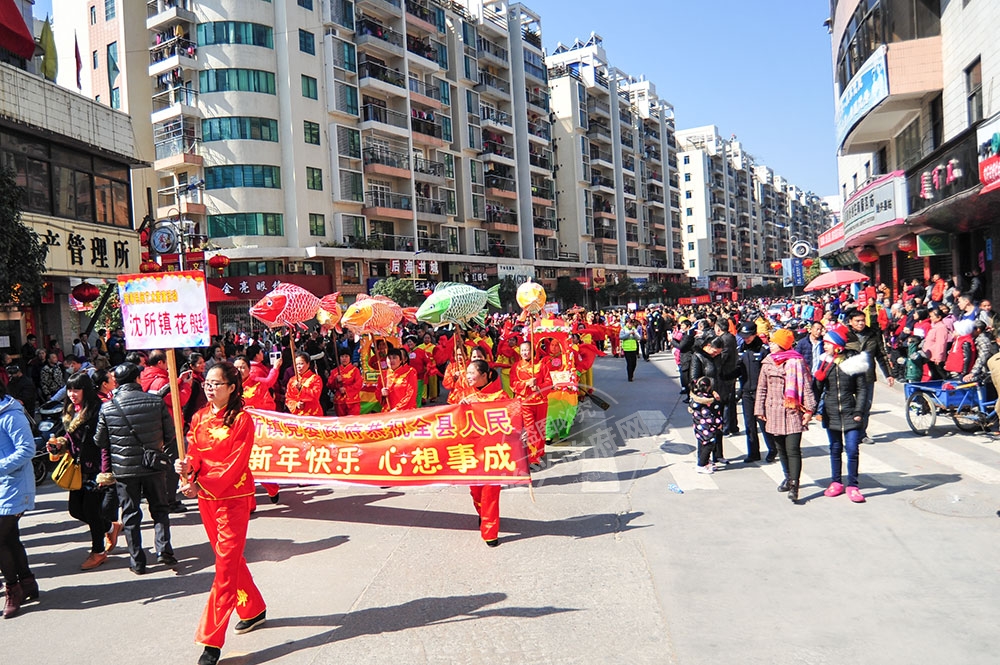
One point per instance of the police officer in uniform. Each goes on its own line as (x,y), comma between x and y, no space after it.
(752,354)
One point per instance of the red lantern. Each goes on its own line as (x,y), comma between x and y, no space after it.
(907,244)
(86,292)
(427,293)
(219,262)
(807,263)
(148,266)
(776,266)
(867,255)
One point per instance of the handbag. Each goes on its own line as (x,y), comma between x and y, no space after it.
(68,474)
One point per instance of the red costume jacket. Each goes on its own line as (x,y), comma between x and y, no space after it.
(220,455)
(522,372)
(349,378)
(304,400)
(402,385)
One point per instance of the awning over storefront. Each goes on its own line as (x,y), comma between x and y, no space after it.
(14,34)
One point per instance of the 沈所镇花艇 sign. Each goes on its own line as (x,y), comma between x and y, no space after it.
(167,310)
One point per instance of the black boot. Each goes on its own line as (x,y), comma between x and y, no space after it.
(783,487)
(210,656)
(793,491)
(15,596)
(30,587)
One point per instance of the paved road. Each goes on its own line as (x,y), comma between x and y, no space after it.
(604,565)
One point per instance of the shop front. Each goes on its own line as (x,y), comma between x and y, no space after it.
(230,298)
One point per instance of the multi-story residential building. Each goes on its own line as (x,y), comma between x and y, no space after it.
(738,217)
(616,159)
(915,127)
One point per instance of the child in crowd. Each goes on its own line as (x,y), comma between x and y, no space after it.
(706,414)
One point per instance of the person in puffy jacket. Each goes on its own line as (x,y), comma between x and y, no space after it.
(131,423)
(842,381)
(17,495)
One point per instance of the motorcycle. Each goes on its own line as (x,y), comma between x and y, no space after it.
(48,425)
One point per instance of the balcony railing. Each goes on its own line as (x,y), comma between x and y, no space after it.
(174,196)
(494,181)
(540,129)
(494,115)
(598,105)
(596,154)
(501,217)
(437,246)
(381,73)
(499,149)
(421,165)
(485,46)
(495,82)
(532,37)
(542,191)
(178,145)
(426,48)
(539,98)
(627,140)
(503,249)
(382,199)
(606,234)
(419,9)
(154,7)
(431,206)
(546,223)
(172,47)
(426,126)
(375,113)
(599,130)
(369,27)
(602,181)
(421,88)
(391,243)
(546,254)
(178,95)
(542,161)
(386,157)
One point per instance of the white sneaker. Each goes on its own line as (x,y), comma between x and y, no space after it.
(708,468)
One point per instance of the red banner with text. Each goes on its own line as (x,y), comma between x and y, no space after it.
(460,444)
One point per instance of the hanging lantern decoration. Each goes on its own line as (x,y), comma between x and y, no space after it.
(149,266)
(907,244)
(86,292)
(867,254)
(428,293)
(807,263)
(219,262)
(776,266)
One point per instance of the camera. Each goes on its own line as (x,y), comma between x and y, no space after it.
(275,356)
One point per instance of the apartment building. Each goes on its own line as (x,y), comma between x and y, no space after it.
(737,216)
(616,156)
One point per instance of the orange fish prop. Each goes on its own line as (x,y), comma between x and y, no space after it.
(289,305)
(376,315)
(531,297)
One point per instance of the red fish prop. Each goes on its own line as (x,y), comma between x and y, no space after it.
(376,315)
(289,305)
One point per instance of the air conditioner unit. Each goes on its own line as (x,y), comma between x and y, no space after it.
(294,266)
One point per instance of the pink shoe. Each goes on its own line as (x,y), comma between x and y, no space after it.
(855,495)
(835,489)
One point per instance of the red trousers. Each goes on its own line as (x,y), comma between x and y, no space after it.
(226,523)
(347,408)
(535,416)
(271,488)
(486,499)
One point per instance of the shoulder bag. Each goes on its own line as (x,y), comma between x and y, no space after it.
(152,459)
(67,473)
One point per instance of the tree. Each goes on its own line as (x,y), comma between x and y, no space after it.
(570,292)
(22,255)
(399,290)
(508,293)
(110,317)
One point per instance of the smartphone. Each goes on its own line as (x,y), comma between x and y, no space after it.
(275,356)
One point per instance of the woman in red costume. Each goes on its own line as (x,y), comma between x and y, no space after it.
(257,395)
(303,391)
(484,386)
(217,471)
(346,382)
(531,384)
(400,393)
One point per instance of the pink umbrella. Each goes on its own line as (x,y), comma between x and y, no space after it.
(836,278)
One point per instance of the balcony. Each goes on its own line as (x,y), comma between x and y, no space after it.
(386,119)
(532,37)
(391,243)
(394,80)
(546,254)
(500,187)
(493,149)
(538,98)
(627,140)
(388,204)
(171,54)
(433,54)
(628,164)
(598,107)
(178,101)
(603,182)
(495,118)
(504,250)
(542,160)
(427,170)
(427,130)
(490,83)
(540,129)
(420,15)
(175,144)
(379,160)
(631,211)
(542,194)
(385,39)
(162,13)
(605,158)
(187,201)
(438,246)
(599,131)
(501,220)
(431,207)
(486,49)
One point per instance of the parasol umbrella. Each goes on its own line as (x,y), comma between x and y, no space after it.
(836,278)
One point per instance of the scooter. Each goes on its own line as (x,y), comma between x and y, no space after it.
(48,425)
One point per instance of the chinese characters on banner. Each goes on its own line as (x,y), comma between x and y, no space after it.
(460,444)
(164,310)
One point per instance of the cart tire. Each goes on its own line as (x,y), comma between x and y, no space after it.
(969,421)
(921,412)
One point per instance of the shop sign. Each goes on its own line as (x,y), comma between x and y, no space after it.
(519,273)
(406,266)
(934,244)
(988,138)
(255,287)
(79,249)
(946,173)
(599,276)
(696,300)
(881,203)
(721,284)
(832,239)
(863,93)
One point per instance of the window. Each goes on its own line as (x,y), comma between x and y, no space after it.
(306,4)
(689,211)
(354,226)
(116,98)
(237,80)
(908,150)
(348,142)
(94,57)
(311,132)
(687,177)
(691,246)
(691,263)
(93,15)
(242,175)
(687,194)
(317,224)
(239,128)
(314,178)
(309,87)
(110,11)
(307,42)
(690,228)
(687,159)
(974,91)
(350,272)
(112,60)
(246,224)
(235,32)
(449,165)
(446,128)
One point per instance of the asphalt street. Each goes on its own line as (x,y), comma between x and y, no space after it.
(602,563)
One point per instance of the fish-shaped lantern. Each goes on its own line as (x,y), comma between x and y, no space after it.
(289,305)
(457,304)
(377,315)
(531,297)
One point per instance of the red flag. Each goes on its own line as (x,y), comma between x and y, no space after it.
(79,63)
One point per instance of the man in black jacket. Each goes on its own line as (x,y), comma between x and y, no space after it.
(751,356)
(131,423)
(869,340)
(728,372)
(21,388)
(686,346)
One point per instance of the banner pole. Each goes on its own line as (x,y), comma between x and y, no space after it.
(175,401)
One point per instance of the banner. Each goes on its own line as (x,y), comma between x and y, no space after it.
(165,310)
(459,444)
(792,272)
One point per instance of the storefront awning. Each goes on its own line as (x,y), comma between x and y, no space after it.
(14,34)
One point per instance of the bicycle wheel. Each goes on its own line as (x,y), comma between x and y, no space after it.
(921,413)
(970,420)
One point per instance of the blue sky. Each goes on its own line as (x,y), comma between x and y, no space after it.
(757,69)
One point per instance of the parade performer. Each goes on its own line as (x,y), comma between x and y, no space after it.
(421,364)
(484,386)
(257,395)
(531,383)
(428,347)
(303,390)
(454,375)
(218,473)
(400,392)
(345,382)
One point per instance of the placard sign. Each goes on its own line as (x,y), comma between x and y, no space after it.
(166,310)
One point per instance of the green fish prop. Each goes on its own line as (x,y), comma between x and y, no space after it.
(457,304)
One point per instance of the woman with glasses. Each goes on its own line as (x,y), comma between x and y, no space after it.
(217,471)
